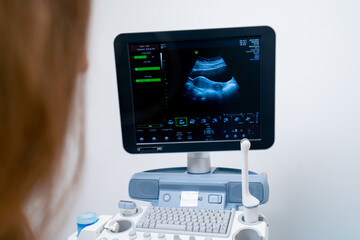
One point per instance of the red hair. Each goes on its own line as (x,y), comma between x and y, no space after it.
(42,47)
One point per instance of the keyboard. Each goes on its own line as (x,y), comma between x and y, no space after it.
(186,221)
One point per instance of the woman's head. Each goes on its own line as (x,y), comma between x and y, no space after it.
(42,52)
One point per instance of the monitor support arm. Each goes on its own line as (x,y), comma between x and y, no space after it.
(198,162)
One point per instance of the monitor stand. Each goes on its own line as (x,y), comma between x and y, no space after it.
(198,162)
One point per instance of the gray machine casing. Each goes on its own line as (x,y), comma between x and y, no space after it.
(218,189)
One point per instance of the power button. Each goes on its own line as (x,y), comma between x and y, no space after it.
(166,197)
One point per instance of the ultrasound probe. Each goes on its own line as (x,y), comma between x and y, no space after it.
(249,201)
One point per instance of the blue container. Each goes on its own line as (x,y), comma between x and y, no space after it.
(85,219)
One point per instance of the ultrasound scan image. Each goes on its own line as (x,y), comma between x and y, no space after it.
(210,82)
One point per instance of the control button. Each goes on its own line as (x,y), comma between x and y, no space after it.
(154,138)
(177,237)
(208,238)
(86,219)
(208,131)
(167,197)
(147,235)
(103,238)
(181,121)
(179,135)
(166,138)
(217,199)
(235,135)
(132,233)
(161,236)
(141,139)
(192,238)
(115,239)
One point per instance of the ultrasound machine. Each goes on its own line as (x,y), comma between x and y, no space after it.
(193,91)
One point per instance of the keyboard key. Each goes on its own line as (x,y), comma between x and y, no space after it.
(170,227)
(189,228)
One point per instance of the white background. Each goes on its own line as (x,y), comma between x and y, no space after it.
(313,167)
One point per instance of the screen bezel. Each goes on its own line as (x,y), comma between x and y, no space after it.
(267,87)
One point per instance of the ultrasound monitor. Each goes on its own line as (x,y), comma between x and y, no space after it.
(196,90)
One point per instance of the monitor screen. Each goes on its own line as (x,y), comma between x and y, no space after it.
(198,90)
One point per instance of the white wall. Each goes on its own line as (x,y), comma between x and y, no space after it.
(313,165)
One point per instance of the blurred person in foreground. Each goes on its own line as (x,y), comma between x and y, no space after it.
(42,54)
